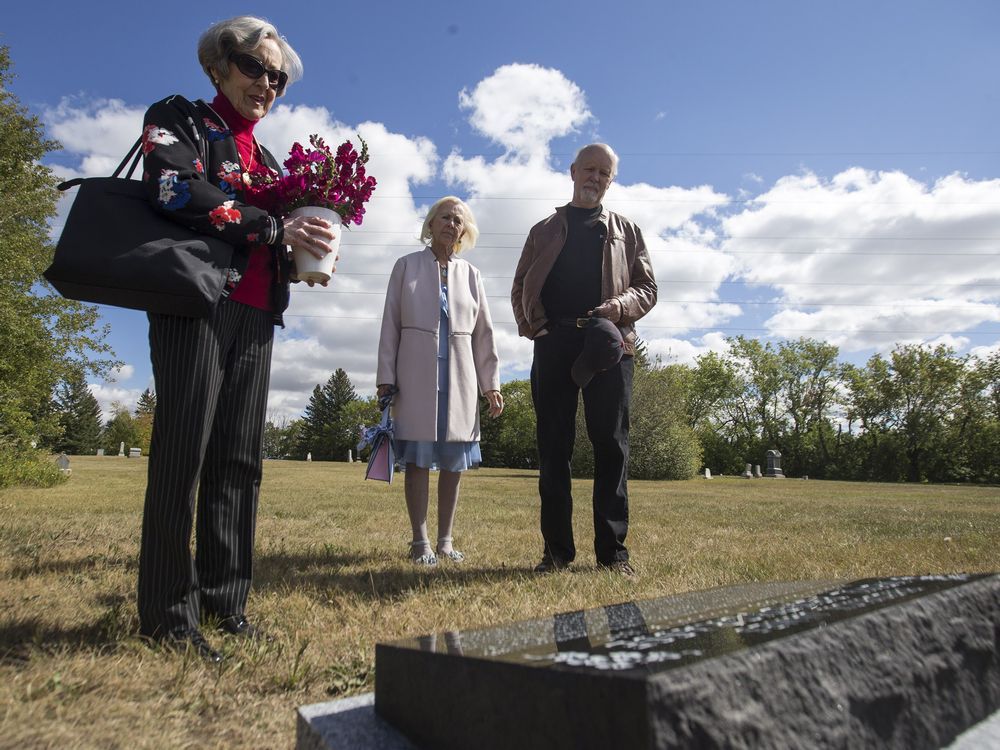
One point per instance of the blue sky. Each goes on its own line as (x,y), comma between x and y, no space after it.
(800,169)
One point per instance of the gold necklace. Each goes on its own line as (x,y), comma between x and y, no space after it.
(244,168)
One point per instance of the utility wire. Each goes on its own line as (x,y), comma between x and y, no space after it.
(710,328)
(774,282)
(661,301)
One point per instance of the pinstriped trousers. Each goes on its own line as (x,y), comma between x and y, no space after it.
(211,377)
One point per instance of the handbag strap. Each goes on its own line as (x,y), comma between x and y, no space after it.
(135,153)
(138,155)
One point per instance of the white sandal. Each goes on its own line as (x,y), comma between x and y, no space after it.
(427,558)
(454,555)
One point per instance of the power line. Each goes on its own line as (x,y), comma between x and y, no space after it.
(775,282)
(707,202)
(771,252)
(743,237)
(644,154)
(661,301)
(711,328)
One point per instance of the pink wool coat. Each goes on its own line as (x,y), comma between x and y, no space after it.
(408,347)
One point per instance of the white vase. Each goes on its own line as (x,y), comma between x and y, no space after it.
(307,266)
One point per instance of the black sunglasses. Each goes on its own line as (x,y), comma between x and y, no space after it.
(251,67)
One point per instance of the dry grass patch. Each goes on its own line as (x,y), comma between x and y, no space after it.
(332,579)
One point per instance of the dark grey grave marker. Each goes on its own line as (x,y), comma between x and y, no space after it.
(774,465)
(907,662)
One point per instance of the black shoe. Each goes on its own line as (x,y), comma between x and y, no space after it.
(621,567)
(550,564)
(185,639)
(239,625)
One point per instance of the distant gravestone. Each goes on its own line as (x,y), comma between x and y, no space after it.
(774,465)
(756,471)
(748,474)
(63,463)
(901,662)
(708,473)
(121,449)
(100,451)
(134,452)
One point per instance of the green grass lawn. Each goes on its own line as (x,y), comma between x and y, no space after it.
(332,579)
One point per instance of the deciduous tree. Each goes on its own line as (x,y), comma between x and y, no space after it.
(43,338)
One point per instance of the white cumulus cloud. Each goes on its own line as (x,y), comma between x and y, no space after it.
(869,259)
(523,107)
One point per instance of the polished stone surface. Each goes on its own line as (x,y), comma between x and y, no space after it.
(755,665)
(671,632)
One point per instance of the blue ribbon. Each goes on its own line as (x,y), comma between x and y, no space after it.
(369,435)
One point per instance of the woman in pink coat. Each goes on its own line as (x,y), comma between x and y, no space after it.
(437,349)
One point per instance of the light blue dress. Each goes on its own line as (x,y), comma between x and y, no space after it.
(440,453)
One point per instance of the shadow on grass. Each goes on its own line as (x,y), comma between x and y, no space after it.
(23,635)
(371,576)
(366,574)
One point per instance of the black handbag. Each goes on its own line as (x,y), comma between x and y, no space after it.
(115,249)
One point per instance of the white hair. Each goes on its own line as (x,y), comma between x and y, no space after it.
(241,35)
(470,230)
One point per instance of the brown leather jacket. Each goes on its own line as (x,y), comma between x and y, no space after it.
(627,274)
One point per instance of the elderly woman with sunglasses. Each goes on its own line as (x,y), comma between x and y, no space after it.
(211,374)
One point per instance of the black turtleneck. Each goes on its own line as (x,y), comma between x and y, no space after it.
(573,285)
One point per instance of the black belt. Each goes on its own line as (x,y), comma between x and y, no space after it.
(572,322)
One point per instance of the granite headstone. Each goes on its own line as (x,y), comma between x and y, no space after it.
(903,662)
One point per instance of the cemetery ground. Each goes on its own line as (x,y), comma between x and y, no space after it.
(332,578)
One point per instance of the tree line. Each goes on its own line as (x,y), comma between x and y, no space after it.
(917,414)
(328,429)
(81,430)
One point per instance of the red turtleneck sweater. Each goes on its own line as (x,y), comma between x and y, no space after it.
(255,287)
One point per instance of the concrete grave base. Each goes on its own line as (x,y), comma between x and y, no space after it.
(346,724)
(351,724)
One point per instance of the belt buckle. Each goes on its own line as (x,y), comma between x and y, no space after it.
(582,322)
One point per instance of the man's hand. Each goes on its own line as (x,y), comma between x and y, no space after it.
(612,310)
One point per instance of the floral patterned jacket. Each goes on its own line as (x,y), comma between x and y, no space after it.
(193,175)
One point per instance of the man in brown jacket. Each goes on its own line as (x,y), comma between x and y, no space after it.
(582,261)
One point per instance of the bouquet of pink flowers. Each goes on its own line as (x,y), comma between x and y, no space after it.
(318,177)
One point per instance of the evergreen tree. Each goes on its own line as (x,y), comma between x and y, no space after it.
(79,416)
(43,338)
(314,436)
(146,405)
(324,434)
(340,390)
(344,424)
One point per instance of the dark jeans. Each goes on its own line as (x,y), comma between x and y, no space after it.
(606,408)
